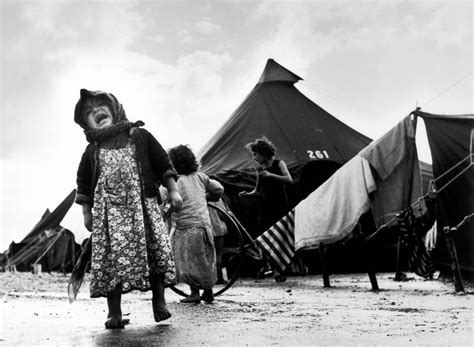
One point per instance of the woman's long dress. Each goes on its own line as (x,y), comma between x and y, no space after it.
(130,241)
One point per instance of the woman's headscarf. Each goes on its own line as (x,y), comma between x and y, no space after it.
(116,107)
(120,121)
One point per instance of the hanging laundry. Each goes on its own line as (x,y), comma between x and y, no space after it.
(332,211)
(278,242)
(412,230)
(394,160)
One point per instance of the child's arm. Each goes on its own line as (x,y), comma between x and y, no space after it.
(214,190)
(173,194)
(84,179)
(83,192)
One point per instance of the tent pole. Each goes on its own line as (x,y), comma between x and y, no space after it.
(454,264)
(324,267)
(398,267)
(368,250)
(73,253)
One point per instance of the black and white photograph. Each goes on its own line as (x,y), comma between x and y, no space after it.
(237,173)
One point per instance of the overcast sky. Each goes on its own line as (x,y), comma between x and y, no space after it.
(184,66)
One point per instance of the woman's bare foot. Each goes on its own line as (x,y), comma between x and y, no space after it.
(114,321)
(160,311)
(114,317)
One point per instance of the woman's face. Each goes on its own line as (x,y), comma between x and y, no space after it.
(259,159)
(97,114)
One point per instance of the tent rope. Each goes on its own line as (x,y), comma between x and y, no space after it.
(24,253)
(29,250)
(448,88)
(395,218)
(316,89)
(51,244)
(471,163)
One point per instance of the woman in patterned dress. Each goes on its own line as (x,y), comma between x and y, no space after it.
(117,186)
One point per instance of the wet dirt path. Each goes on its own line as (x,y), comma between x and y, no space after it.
(252,312)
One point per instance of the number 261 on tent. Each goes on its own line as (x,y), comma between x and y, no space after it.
(317,154)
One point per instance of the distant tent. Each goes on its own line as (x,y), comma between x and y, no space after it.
(48,244)
(451,140)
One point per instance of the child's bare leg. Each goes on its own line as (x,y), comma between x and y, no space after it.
(160,311)
(219,244)
(208,295)
(193,297)
(114,317)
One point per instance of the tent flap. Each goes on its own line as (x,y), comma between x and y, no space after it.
(450,141)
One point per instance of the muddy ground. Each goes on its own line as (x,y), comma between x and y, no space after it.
(35,311)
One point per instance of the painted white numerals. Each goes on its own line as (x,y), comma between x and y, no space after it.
(318,154)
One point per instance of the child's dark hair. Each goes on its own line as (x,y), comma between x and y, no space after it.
(183,159)
(262,146)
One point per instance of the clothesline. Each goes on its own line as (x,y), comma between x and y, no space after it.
(461,223)
(432,190)
(471,163)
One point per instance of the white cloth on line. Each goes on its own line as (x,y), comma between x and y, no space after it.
(331,212)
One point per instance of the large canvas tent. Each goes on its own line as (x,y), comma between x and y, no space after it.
(312,142)
(47,244)
(301,130)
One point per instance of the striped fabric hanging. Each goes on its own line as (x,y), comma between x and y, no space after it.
(419,261)
(278,242)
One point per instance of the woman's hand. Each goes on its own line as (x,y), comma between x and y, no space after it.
(175,200)
(264,173)
(87,213)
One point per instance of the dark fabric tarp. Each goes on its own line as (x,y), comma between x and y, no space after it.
(52,219)
(55,249)
(48,243)
(451,139)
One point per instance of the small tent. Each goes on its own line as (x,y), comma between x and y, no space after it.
(48,243)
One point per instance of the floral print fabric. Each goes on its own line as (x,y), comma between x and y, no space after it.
(130,241)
